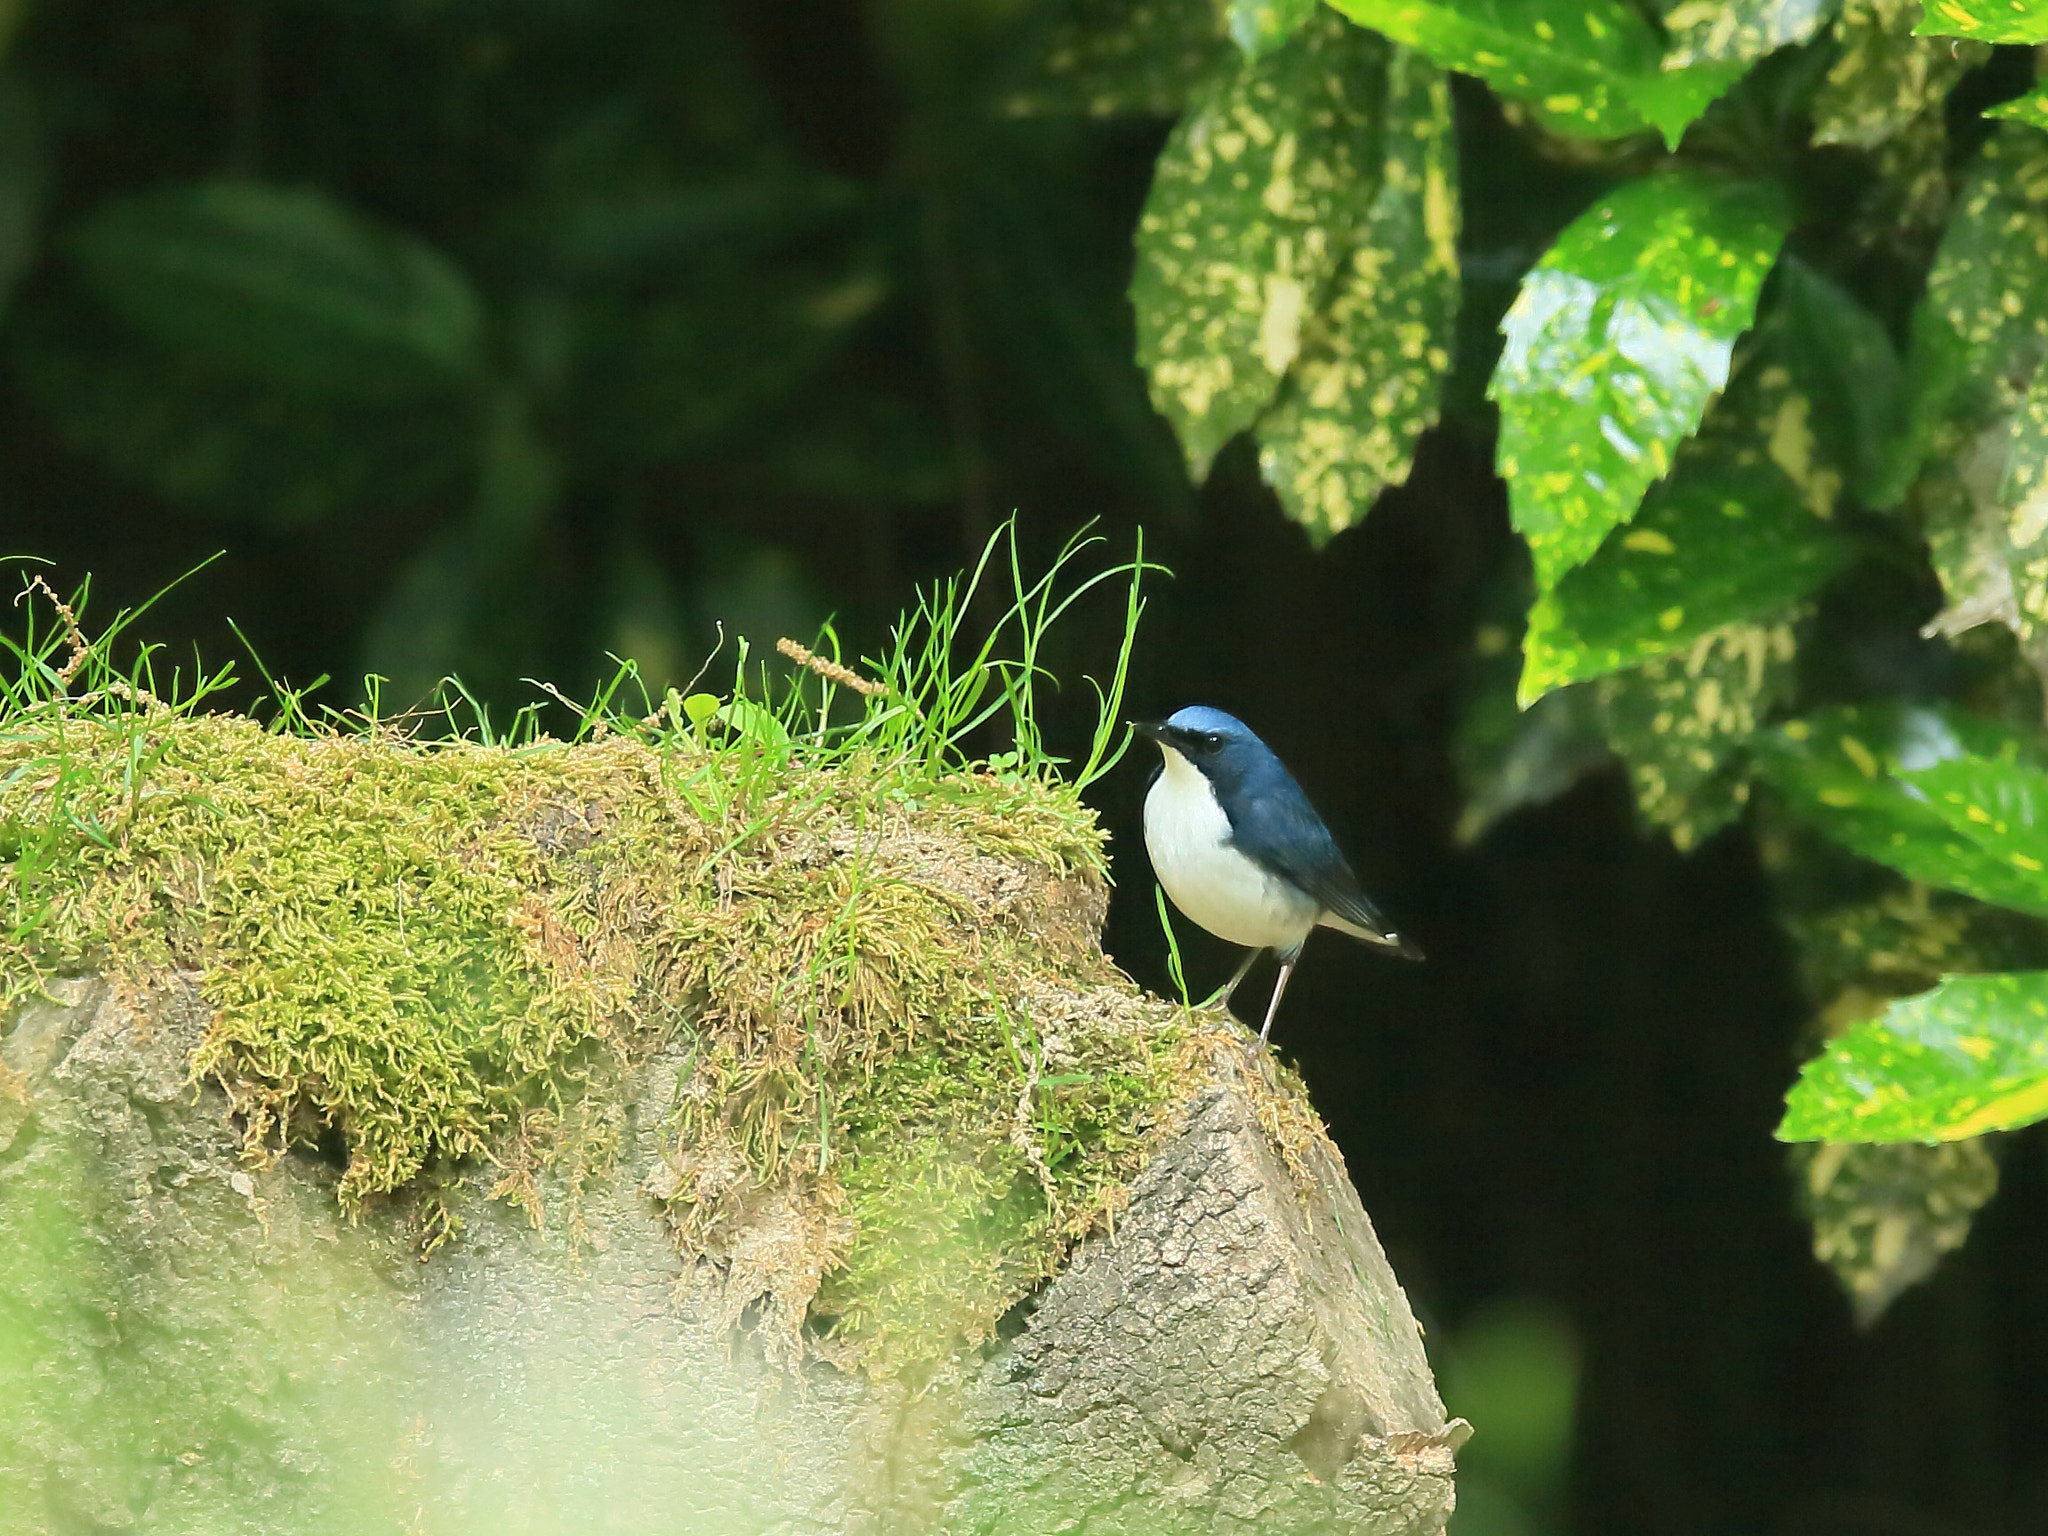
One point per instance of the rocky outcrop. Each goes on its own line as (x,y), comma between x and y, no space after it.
(188,1343)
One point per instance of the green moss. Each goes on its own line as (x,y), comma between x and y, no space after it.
(911,1079)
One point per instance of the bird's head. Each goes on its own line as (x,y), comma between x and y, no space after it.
(1209,739)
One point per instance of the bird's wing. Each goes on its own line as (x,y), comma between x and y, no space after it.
(1278,830)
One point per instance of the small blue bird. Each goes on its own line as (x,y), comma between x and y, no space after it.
(1241,851)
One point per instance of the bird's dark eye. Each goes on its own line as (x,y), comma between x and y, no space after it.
(1211,740)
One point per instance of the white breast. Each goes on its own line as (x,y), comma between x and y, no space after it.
(1187,835)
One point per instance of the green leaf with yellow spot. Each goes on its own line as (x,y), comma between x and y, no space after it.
(1989,280)
(1259,26)
(1112,58)
(1985,21)
(2030,109)
(1885,82)
(1615,344)
(2001,807)
(1856,775)
(1575,61)
(1883,1216)
(1842,359)
(1965,1059)
(1970,446)
(1253,205)
(1594,68)
(1371,371)
(1681,723)
(1730,536)
(1718,31)
(1984,509)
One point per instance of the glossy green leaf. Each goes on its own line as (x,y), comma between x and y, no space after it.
(1985,21)
(1252,206)
(1737,532)
(1712,547)
(1683,722)
(1571,59)
(1967,1058)
(1615,344)
(2030,109)
(1109,58)
(1371,370)
(2001,807)
(1672,99)
(1589,67)
(1842,359)
(1259,26)
(284,287)
(1855,775)
(1883,1216)
(1715,31)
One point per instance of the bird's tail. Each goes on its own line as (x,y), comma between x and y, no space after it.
(1407,949)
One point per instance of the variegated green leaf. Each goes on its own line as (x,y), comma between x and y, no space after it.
(2000,807)
(1986,21)
(1587,67)
(1967,1058)
(1884,79)
(1110,58)
(1716,31)
(1883,1216)
(1259,26)
(2030,109)
(1988,533)
(1842,359)
(1372,367)
(1572,58)
(1984,509)
(1886,94)
(1856,955)
(1737,532)
(1853,775)
(1682,723)
(1979,336)
(1253,205)
(1990,276)
(1615,344)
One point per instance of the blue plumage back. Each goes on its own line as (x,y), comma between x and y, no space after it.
(1271,820)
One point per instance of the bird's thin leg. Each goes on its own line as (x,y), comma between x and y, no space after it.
(1279,985)
(1222,999)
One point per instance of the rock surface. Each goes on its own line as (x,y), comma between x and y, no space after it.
(187,1344)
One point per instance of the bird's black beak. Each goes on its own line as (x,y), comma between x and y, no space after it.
(1151,730)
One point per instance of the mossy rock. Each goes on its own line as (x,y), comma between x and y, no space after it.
(428,1138)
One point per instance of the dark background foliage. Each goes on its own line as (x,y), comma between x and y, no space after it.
(780,315)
